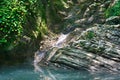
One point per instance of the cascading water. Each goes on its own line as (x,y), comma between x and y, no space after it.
(39,55)
(37,58)
(60,40)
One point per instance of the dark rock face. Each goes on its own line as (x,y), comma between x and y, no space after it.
(113,20)
(87,12)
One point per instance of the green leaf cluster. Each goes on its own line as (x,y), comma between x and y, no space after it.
(12,17)
(113,10)
(29,18)
(90,35)
(12,14)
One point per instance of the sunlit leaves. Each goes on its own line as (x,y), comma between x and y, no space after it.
(12,13)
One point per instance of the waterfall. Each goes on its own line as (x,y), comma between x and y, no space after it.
(39,55)
(60,40)
(57,45)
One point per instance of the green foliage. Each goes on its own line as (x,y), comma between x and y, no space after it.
(20,18)
(12,14)
(90,34)
(113,10)
(29,18)
(36,20)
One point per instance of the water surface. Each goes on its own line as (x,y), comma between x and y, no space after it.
(27,72)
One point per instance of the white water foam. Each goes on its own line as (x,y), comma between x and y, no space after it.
(61,40)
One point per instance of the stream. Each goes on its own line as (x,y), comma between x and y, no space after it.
(31,71)
(27,72)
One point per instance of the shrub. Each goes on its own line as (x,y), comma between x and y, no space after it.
(12,13)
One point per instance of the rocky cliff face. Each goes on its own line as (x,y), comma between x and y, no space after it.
(92,45)
(97,48)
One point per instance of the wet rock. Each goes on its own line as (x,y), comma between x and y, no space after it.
(114,20)
(97,48)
